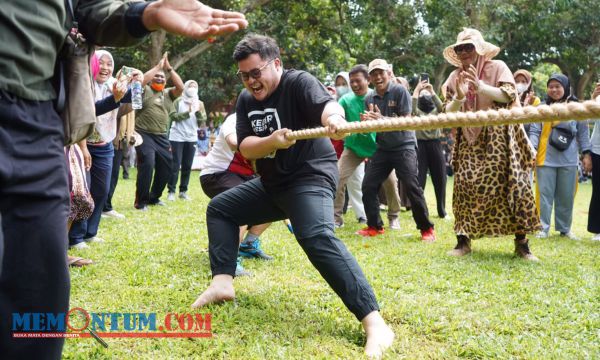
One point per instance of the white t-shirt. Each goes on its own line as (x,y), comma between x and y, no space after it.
(221,157)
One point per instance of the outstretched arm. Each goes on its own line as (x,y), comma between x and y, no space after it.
(191,18)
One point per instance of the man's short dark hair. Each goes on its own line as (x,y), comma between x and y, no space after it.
(360,68)
(266,47)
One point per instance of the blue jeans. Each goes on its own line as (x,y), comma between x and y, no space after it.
(100,173)
(310,210)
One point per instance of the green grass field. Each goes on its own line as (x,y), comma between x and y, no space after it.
(486,305)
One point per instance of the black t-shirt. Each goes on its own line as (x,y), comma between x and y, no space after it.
(296,104)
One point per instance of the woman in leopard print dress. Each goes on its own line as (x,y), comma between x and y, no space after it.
(492,192)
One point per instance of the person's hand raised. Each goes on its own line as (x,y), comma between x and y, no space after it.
(460,82)
(529,98)
(471,78)
(428,87)
(119,89)
(372,114)
(596,92)
(191,18)
(417,89)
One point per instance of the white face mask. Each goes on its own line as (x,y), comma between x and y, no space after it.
(191,92)
(342,90)
(521,88)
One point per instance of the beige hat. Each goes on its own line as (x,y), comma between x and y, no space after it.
(379,64)
(470,36)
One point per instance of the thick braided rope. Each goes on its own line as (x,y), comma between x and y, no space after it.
(529,114)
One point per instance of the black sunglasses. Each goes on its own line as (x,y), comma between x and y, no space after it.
(464,48)
(254,73)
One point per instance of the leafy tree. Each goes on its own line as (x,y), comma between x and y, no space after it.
(327,36)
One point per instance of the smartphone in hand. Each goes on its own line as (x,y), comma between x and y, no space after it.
(425,77)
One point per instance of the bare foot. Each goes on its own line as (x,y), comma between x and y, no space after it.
(220,289)
(379,335)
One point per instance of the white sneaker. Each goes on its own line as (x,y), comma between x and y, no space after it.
(570,235)
(184,196)
(596,237)
(82,245)
(95,239)
(171,196)
(394,224)
(541,235)
(113,214)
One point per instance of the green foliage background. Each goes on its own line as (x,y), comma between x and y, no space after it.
(328,36)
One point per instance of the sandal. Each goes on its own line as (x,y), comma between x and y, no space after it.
(78,261)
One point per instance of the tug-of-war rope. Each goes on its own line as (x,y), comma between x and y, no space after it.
(523,115)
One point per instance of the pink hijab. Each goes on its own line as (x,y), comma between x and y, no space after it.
(94,65)
(492,72)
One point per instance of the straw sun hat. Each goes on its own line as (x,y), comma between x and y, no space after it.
(470,36)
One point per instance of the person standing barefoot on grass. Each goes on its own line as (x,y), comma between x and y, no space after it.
(298,180)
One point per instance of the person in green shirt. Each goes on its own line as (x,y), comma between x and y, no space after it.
(152,122)
(358,147)
(34,194)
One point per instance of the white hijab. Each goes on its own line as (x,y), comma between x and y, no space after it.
(106,124)
(189,99)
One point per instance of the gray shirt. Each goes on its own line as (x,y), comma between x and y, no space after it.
(395,102)
(569,157)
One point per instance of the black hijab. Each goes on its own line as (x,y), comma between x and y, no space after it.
(425,103)
(566,84)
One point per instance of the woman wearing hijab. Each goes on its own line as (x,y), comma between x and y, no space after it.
(430,154)
(558,144)
(527,97)
(97,150)
(492,193)
(187,114)
(342,84)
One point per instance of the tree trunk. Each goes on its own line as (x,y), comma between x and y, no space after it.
(204,46)
(440,76)
(155,52)
(584,80)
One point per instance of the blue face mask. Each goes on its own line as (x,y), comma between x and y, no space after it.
(341,90)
